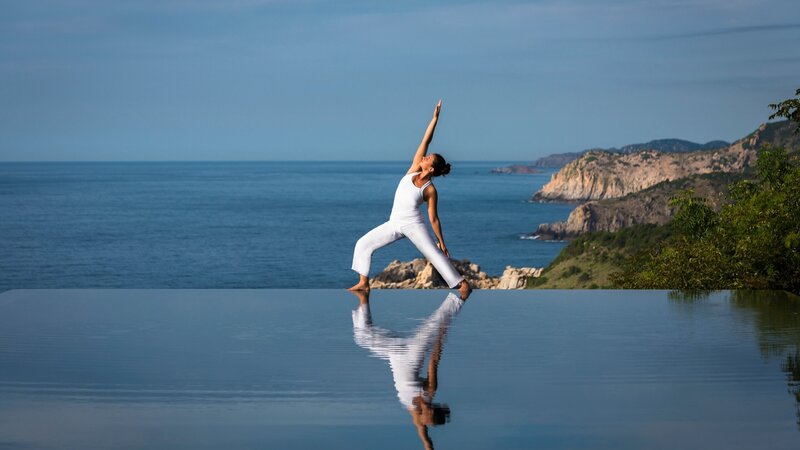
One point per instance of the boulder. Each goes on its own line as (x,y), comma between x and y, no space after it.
(517,278)
(420,274)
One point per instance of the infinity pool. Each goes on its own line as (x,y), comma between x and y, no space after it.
(307,369)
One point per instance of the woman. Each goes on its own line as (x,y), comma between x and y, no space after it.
(406,220)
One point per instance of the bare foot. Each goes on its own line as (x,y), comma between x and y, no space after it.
(363,296)
(359,287)
(464,289)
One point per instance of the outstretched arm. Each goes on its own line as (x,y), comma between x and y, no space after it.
(433,214)
(422,150)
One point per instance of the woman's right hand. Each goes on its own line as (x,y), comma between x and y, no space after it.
(437,109)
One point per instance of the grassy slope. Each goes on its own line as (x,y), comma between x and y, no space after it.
(588,261)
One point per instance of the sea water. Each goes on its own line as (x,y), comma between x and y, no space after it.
(245,224)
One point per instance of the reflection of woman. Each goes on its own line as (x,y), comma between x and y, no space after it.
(406,356)
(406,221)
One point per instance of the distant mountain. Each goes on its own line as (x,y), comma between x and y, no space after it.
(516,169)
(667,146)
(556,160)
(662,145)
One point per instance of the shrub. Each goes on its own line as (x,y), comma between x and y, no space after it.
(571,270)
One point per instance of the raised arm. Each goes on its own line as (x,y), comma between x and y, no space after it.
(422,150)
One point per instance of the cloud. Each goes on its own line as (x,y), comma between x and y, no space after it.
(725,31)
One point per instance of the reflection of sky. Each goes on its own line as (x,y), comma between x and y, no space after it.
(256,79)
(263,369)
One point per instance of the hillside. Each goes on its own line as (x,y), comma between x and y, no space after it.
(669,146)
(556,160)
(649,206)
(588,261)
(600,175)
(662,145)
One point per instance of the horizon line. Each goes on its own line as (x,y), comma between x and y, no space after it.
(247,161)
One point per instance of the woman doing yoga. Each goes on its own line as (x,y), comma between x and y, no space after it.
(406,219)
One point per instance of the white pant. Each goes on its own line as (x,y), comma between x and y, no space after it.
(389,232)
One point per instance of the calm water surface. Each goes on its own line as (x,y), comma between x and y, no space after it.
(306,369)
(244,224)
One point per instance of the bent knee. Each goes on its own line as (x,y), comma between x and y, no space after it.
(364,246)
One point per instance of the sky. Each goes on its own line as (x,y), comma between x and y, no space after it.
(185,80)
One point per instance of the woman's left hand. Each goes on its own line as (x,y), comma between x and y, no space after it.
(437,110)
(443,249)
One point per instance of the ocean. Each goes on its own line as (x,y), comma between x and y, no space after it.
(245,224)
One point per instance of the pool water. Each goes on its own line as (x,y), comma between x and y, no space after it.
(240,369)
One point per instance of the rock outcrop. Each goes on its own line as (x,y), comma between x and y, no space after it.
(650,206)
(517,278)
(599,175)
(420,274)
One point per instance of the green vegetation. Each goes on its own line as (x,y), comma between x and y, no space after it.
(589,261)
(571,270)
(789,109)
(752,242)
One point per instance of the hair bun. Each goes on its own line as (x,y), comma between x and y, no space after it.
(446,169)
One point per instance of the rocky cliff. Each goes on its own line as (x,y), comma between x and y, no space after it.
(648,206)
(601,174)
(420,274)
(776,134)
(651,205)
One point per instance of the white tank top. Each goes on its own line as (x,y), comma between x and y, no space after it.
(407,199)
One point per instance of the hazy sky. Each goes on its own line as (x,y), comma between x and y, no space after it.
(353,80)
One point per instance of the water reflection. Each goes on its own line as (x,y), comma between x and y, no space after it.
(776,316)
(406,357)
(777,320)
